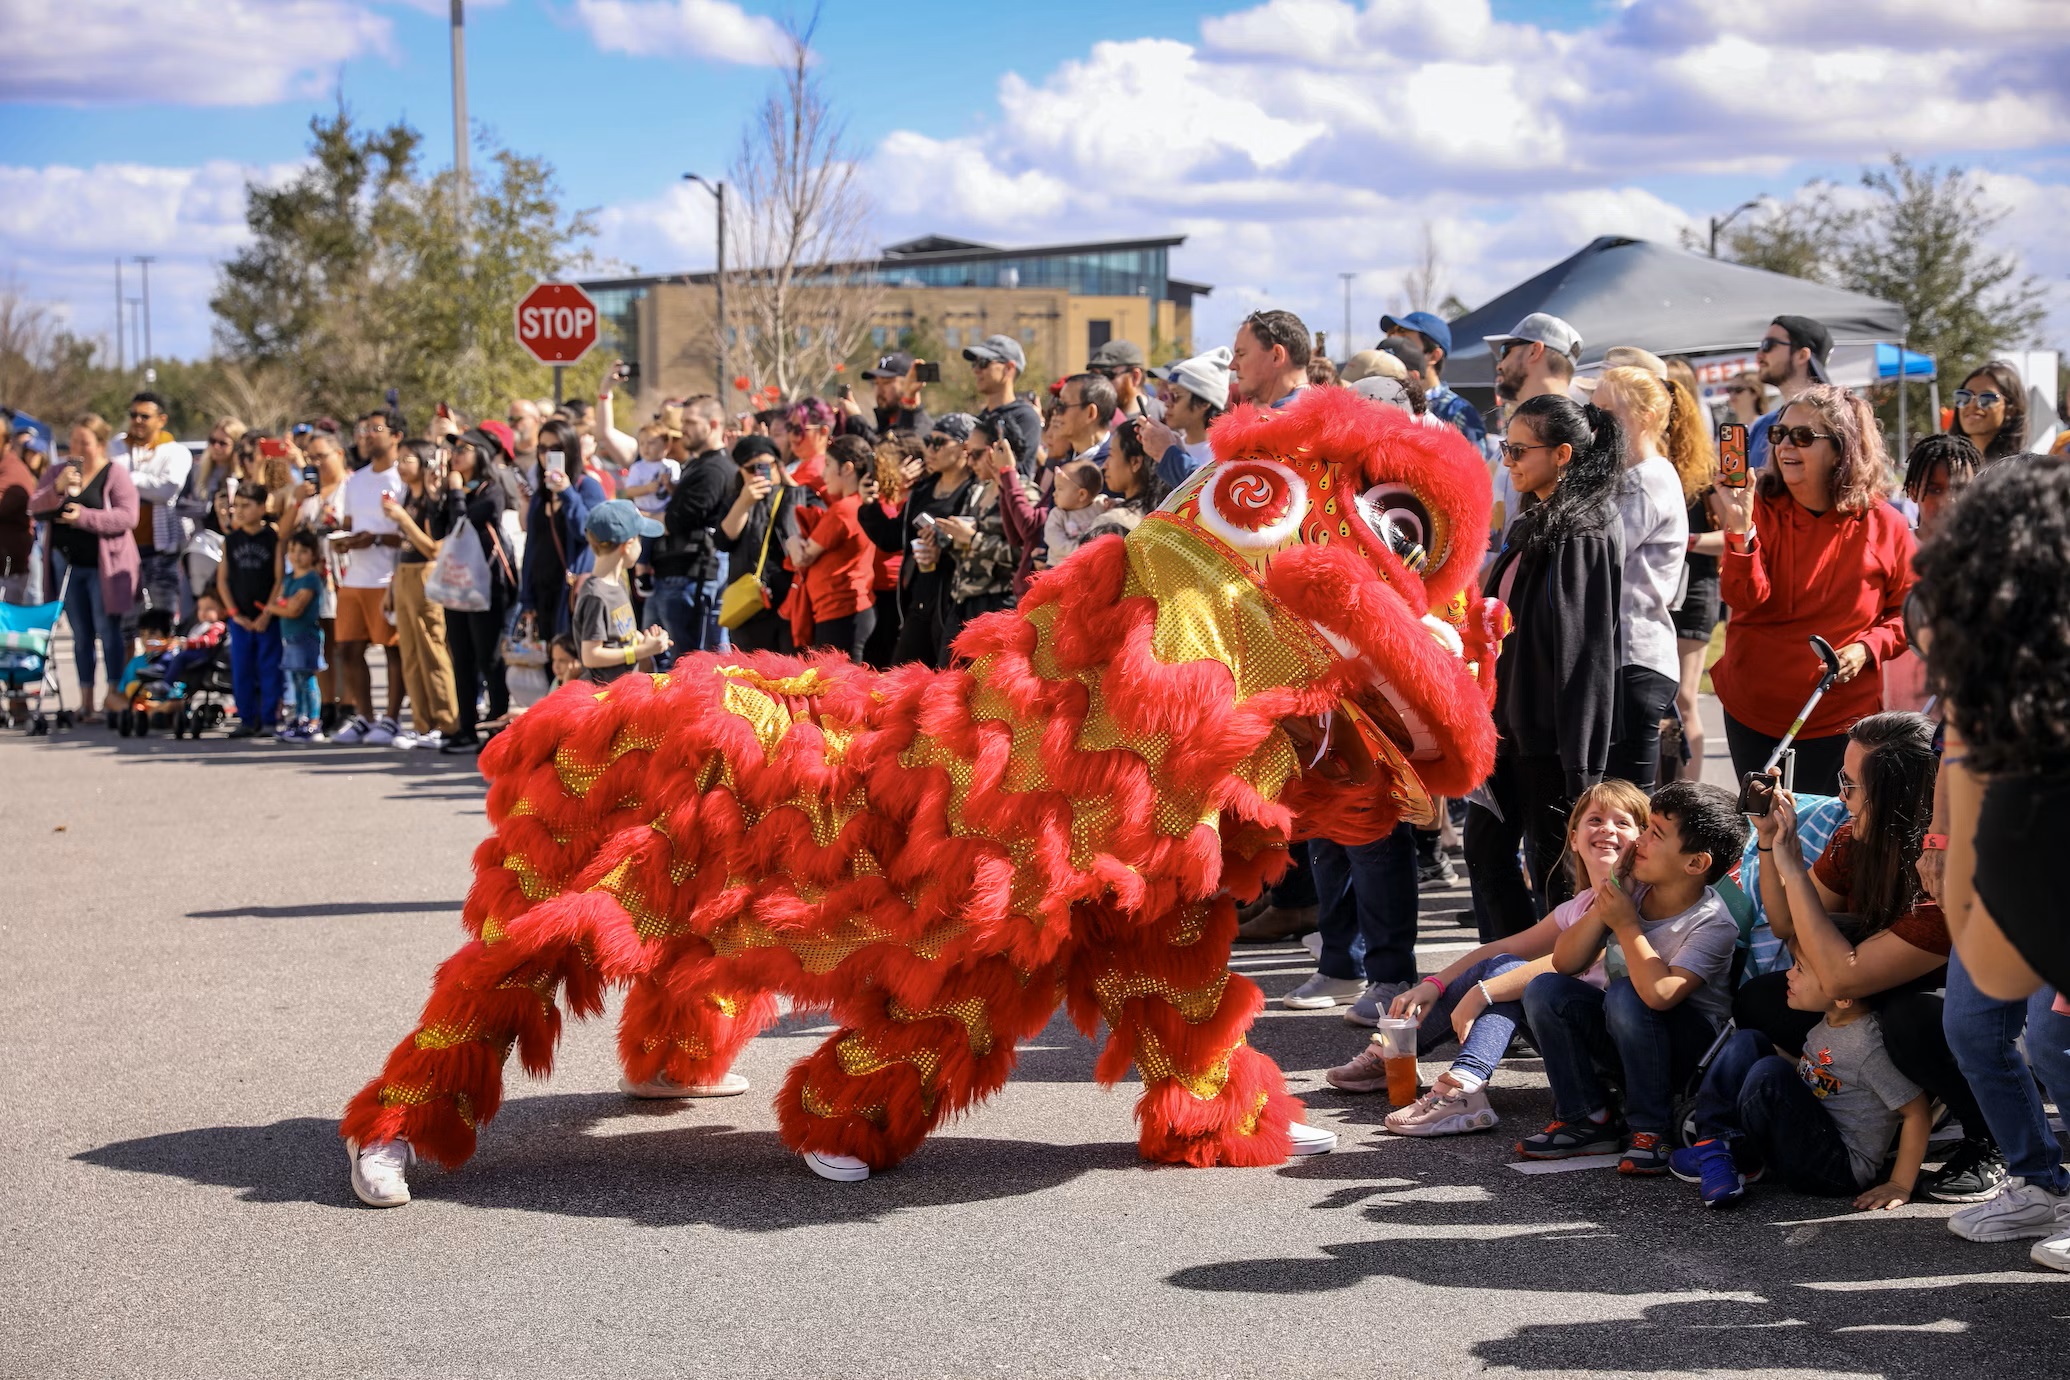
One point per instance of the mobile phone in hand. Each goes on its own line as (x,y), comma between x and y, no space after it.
(1732,455)
(557,462)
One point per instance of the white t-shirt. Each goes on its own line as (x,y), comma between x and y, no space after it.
(320,514)
(1656,546)
(646,472)
(359,507)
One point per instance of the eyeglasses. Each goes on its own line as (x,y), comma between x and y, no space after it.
(936,441)
(1848,786)
(1798,436)
(1772,344)
(143,416)
(1512,452)
(1965,398)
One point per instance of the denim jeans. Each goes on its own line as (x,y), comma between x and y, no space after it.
(1296,889)
(1488,1038)
(1582,1032)
(255,673)
(1982,1032)
(1368,898)
(161,584)
(88,614)
(1753,1099)
(688,611)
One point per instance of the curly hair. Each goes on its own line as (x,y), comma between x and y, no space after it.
(1929,453)
(1670,414)
(1994,588)
(1589,482)
(1859,471)
(2011,437)
(1897,806)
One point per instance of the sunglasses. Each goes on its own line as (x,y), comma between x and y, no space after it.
(1848,786)
(1768,345)
(1798,436)
(1965,398)
(937,441)
(1739,388)
(1512,452)
(144,416)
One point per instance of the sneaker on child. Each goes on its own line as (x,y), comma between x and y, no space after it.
(1645,1157)
(2054,1251)
(1444,1111)
(1367,1071)
(1564,1140)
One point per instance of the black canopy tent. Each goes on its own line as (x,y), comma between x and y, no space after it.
(1620,291)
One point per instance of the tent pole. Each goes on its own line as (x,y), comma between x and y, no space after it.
(1904,387)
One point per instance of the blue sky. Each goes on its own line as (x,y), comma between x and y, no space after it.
(1290,141)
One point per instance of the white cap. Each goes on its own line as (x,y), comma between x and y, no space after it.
(1382,389)
(1204,376)
(1541,328)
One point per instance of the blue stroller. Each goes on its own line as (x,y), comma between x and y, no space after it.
(26,672)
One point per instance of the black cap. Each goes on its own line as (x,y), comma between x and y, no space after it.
(1807,334)
(895,365)
(1405,350)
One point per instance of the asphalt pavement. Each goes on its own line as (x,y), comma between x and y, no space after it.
(206,948)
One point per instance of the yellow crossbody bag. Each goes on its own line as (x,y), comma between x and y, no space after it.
(742,598)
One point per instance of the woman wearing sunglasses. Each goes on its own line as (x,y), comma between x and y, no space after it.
(1991,411)
(1811,549)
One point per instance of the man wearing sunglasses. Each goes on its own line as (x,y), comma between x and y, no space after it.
(1790,358)
(158,468)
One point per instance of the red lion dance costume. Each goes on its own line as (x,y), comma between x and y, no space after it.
(1068,814)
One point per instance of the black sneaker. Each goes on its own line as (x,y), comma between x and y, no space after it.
(1566,1139)
(244,731)
(1974,1171)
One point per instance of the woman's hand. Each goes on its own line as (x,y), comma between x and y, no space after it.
(69,482)
(1734,508)
(957,529)
(68,513)
(912,470)
(1932,868)
(1157,438)
(1767,826)
(755,487)
(1854,659)
(1467,1012)
(556,480)
(1788,847)
(304,491)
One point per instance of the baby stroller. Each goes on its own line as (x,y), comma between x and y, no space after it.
(209,690)
(26,672)
(190,700)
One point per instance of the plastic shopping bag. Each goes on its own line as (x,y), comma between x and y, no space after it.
(459,578)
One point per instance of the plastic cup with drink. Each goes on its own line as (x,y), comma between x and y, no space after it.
(1397,1037)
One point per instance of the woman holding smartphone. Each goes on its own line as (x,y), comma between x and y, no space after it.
(556,549)
(92,507)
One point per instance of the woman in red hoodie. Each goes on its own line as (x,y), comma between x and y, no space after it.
(1812,548)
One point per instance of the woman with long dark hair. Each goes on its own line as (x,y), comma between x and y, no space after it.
(556,547)
(1811,549)
(1991,410)
(1560,573)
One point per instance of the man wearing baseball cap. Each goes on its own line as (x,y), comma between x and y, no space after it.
(1536,357)
(1197,390)
(603,621)
(996,363)
(1121,363)
(1430,331)
(898,405)
(1792,357)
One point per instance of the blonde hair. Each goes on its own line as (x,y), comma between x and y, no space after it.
(94,423)
(1669,414)
(1611,795)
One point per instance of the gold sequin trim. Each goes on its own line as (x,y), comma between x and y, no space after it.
(1195,1004)
(1210,609)
(1153,1063)
(536,885)
(970,1011)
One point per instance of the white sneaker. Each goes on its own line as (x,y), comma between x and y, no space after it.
(2019,1210)
(1443,1112)
(1310,1140)
(1372,1004)
(433,740)
(382,733)
(404,739)
(377,1172)
(842,1169)
(659,1089)
(2054,1251)
(1320,993)
(352,731)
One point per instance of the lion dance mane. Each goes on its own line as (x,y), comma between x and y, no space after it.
(1288,648)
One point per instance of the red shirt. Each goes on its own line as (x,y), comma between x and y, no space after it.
(838,582)
(812,474)
(1841,575)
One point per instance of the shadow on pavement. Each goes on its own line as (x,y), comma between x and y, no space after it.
(589,1155)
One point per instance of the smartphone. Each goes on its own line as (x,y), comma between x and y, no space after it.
(765,470)
(272,448)
(444,412)
(308,474)
(557,462)
(845,392)
(927,371)
(924,523)
(1732,457)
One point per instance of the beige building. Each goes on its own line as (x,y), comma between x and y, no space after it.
(1061,302)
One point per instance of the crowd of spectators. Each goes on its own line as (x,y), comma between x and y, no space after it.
(1853,992)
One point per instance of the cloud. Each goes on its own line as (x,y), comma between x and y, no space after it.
(716,30)
(182,52)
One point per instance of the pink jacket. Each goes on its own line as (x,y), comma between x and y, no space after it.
(114,524)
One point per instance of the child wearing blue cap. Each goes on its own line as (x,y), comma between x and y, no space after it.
(603,620)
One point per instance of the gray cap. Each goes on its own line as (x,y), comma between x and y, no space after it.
(996,347)
(1541,328)
(1204,376)
(1117,354)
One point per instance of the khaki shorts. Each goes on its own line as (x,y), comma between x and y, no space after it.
(361,618)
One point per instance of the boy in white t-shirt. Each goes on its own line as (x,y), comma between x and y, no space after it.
(1666,956)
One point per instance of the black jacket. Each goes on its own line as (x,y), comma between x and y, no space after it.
(688,548)
(918,589)
(780,503)
(890,421)
(1556,684)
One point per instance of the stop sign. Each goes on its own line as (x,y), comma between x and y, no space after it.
(557,323)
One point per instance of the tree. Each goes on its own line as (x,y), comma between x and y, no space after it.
(1805,237)
(45,370)
(365,275)
(804,298)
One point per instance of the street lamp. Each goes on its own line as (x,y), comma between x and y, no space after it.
(718,191)
(1347,277)
(1717,224)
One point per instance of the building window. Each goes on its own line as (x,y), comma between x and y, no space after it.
(1097,333)
(954,337)
(880,336)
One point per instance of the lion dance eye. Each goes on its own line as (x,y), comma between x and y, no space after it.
(1402,521)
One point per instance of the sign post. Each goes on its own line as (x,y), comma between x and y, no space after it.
(557,325)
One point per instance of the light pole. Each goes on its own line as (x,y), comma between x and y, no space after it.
(146,260)
(121,325)
(460,103)
(1718,224)
(1347,277)
(718,191)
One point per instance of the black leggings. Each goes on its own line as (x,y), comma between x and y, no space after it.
(845,635)
(1532,792)
(1648,697)
(1818,759)
(476,642)
(882,644)
(767,631)
(1911,1022)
